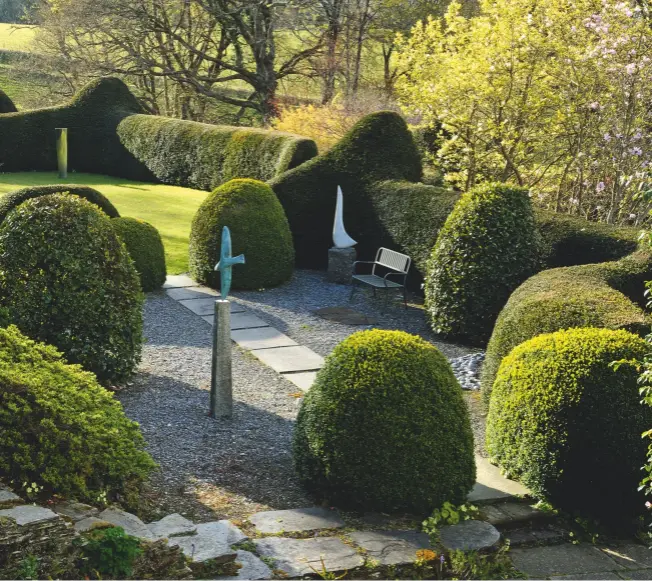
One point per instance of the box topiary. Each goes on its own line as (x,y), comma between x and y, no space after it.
(384,427)
(67,280)
(568,425)
(593,295)
(60,429)
(487,247)
(259,230)
(6,104)
(14,199)
(145,247)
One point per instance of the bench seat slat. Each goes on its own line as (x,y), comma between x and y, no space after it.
(377,281)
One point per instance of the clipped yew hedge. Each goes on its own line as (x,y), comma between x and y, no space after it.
(6,104)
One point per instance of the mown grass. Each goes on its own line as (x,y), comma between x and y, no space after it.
(16,36)
(168,208)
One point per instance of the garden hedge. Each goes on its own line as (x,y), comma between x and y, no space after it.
(591,295)
(67,280)
(6,104)
(60,429)
(385,428)
(487,247)
(259,230)
(14,199)
(568,425)
(145,247)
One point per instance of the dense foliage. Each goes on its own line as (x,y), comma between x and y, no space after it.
(259,230)
(61,430)
(556,398)
(110,552)
(6,104)
(385,427)
(145,247)
(487,247)
(67,280)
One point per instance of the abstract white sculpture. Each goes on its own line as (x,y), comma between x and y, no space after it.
(340,238)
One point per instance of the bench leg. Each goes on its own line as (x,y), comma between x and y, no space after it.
(405,297)
(353,288)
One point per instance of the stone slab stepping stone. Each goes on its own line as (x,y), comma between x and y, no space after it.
(262,338)
(296,520)
(303,380)
(252,568)
(8,497)
(246,321)
(344,315)
(285,359)
(29,514)
(212,542)
(131,524)
(630,555)
(567,559)
(298,557)
(510,514)
(89,523)
(206,306)
(193,292)
(75,511)
(178,281)
(469,535)
(392,547)
(171,526)
(491,485)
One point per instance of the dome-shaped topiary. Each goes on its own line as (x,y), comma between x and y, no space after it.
(385,427)
(487,247)
(67,280)
(60,429)
(145,247)
(259,230)
(6,104)
(568,425)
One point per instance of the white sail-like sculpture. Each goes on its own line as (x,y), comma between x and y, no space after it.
(340,238)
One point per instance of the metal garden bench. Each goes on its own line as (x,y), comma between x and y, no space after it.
(389,262)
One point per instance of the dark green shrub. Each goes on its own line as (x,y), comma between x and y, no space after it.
(109,552)
(6,104)
(17,197)
(204,156)
(385,427)
(568,425)
(60,429)
(145,247)
(67,279)
(259,230)
(592,295)
(487,247)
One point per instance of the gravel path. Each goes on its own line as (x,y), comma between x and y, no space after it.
(218,469)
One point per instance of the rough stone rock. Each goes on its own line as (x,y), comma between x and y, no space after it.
(172,525)
(298,557)
(89,523)
(131,524)
(212,542)
(296,520)
(7,497)
(391,547)
(469,535)
(29,514)
(340,264)
(75,511)
(252,568)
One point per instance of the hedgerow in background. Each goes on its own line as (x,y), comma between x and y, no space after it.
(61,430)
(487,247)
(259,230)
(6,104)
(67,279)
(385,427)
(556,398)
(145,247)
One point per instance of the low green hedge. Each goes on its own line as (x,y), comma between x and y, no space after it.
(487,247)
(14,199)
(259,230)
(202,156)
(568,425)
(591,295)
(385,427)
(61,430)
(6,104)
(145,247)
(67,280)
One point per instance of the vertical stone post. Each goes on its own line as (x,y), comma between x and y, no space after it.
(62,151)
(221,404)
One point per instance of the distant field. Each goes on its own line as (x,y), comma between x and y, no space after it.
(16,36)
(169,208)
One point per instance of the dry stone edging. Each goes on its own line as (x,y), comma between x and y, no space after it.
(251,567)
(131,524)
(173,525)
(211,542)
(75,511)
(391,547)
(296,520)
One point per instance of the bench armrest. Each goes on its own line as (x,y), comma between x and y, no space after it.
(355,264)
(403,274)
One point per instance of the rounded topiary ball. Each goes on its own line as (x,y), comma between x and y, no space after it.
(259,230)
(488,246)
(67,279)
(145,247)
(568,425)
(385,427)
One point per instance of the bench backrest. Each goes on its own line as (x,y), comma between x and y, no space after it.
(394,260)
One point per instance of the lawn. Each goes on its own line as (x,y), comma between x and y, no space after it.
(16,36)
(169,208)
